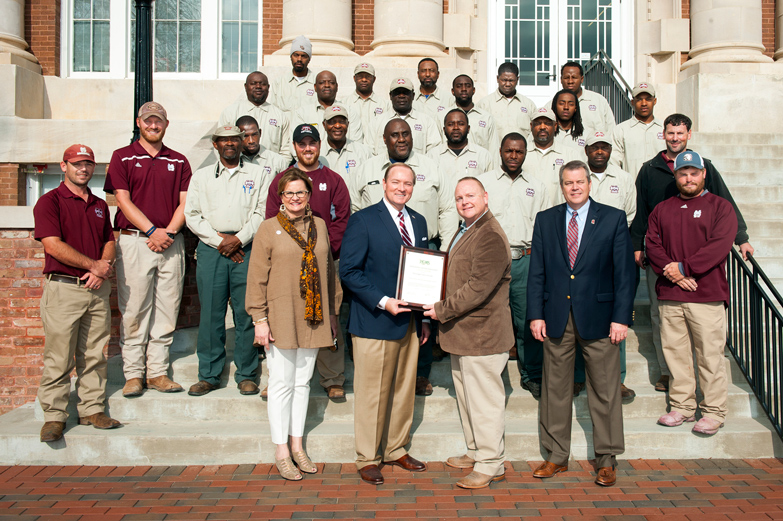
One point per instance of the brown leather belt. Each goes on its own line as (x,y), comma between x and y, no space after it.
(66,279)
(135,233)
(518,253)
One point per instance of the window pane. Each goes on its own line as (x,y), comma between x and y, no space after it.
(190,46)
(250,11)
(249,47)
(230,47)
(81,46)
(190,9)
(230,9)
(81,9)
(165,9)
(165,46)
(100,48)
(100,9)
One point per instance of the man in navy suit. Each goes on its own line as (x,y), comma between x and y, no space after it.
(385,332)
(580,290)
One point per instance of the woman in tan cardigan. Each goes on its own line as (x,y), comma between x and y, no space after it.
(293,295)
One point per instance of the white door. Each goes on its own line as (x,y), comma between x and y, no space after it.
(539,36)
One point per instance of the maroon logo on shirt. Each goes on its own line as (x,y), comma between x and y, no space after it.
(249,184)
(378,110)
(171,167)
(99,213)
(351,163)
(310,92)
(441,108)
(273,122)
(482,124)
(581,142)
(523,109)
(417,127)
(614,189)
(660,135)
(591,107)
(267,170)
(559,162)
(530,192)
(472,164)
(419,177)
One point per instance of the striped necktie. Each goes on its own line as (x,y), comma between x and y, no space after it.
(403,231)
(573,239)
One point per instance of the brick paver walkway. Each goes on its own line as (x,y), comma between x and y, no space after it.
(647,489)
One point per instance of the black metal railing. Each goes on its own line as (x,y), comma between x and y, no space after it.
(603,77)
(755,332)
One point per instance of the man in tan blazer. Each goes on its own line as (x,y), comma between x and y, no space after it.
(477,331)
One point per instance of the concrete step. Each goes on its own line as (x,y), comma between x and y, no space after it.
(746,196)
(717,152)
(764,227)
(247,441)
(746,163)
(760,210)
(733,142)
(751,177)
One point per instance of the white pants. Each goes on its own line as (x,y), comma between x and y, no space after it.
(290,371)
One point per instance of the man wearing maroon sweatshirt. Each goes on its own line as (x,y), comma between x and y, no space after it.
(688,239)
(331,202)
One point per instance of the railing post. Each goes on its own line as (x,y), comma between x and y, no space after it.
(142,92)
(757,333)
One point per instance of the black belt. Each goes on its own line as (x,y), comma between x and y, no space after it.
(67,279)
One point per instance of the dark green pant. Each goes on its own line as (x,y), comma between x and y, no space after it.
(218,279)
(530,352)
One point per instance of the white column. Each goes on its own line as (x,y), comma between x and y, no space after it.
(778,29)
(408,28)
(727,31)
(327,23)
(13,46)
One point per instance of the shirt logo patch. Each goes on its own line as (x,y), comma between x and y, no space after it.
(530,192)
(378,110)
(592,107)
(351,163)
(267,170)
(310,92)
(614,189)
(482,124)
(581,142)
(660,135)
(441,108)
(523,109)
(417,127)
(419,177)
(696,214)
(273,122)
(472,164)
(171,168)
(322,187)
(559,162)
(99,213)
(138,165)
(249,184)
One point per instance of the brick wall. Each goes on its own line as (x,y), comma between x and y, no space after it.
(767,23)
(42,31)
(273,25)
(12,185)
(363,27)
(21,332)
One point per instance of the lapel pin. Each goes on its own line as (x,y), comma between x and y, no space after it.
(592,221)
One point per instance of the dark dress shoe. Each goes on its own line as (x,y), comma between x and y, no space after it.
(201,388)
(626,393)
(52,431)
(578,388)
(606,477)
(423,386)
(371,474)
(549,469)
(99,420)
(246,387)
(408,463)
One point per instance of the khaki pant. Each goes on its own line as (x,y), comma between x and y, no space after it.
(331,364)
(481,400)
(384,386)
(688,327)
(655,320)
(149,291)
(602,364)
(77,323)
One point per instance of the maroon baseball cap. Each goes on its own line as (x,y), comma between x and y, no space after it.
(76,153)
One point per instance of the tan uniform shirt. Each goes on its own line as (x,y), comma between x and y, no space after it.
(616,188)
(510,114)
(424,130)
(596,112)
(564,138)
(433,194)
(483,130)
(347,161)
(273,123)
(368,109)
(515,203)
(545,165)
(269,161)
(289,94)
(221,201)
(472,161)
(313,112)
(435,104)
(634,142)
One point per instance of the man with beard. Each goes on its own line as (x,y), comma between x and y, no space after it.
(641,136)
(516,195)
(545,155)
(331,202)
(290,92)
(482,123)
(341,154)
(459,157)
(363,100)
(512,111)
(654,184)
(595,110)
(150,182)
(424,128)
(253,152)
(314,112)
(225,206)
(570,129)
(271,120)
(688,240)
(429,98)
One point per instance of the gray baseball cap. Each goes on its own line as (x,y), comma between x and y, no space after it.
(688,158)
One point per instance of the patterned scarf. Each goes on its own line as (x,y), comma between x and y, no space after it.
(309,278)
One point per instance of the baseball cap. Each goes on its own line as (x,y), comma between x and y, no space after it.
(598,137)
(152,108)
(304,130)
(543,112)
(227,131)
(643,87)
(688,158)
(401,83)
(334,111)
(364,67)
(302,44)
(76,153)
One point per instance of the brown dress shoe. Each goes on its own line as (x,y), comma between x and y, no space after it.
(512,353)
(423,386)
(52,431)
(479,480)
(371,474)
(201,388)
(548,469)
(662,385)
(578,388)
(133,387)
(335,392)
(606,477)
(99,420)
(408,463)
(460,462)
(626,393)
(164,384)
(247,387)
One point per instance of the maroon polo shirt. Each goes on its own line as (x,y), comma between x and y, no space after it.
(154,183)
(83,225)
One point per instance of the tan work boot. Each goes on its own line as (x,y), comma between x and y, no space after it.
(133,387)
(479,480)
(460,462)
(164,384)
(52,431)
(99,420)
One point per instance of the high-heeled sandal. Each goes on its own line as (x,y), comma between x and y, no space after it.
(286,468)
(304,463)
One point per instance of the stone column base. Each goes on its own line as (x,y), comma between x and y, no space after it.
(331,46)
(728,53)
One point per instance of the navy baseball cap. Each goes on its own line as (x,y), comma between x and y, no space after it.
(304,130)
(688,158)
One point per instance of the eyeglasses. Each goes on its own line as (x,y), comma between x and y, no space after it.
(291,195)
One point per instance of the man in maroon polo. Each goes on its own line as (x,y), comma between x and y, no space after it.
(150,182)
(75,229)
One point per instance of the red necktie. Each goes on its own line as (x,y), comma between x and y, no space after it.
(573,239)
(403,231)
